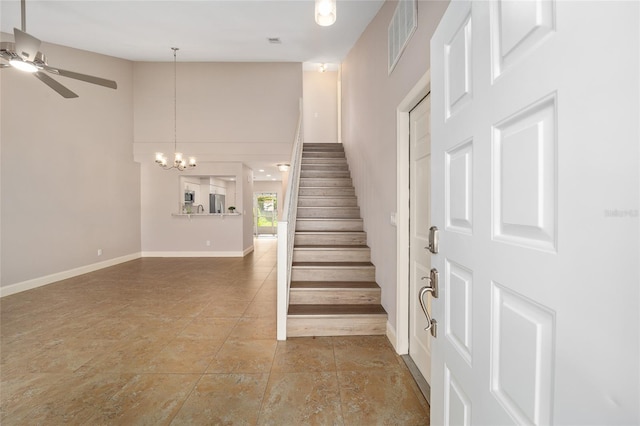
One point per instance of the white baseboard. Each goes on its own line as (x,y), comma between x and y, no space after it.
(193,253)
(392,336)
(58,276)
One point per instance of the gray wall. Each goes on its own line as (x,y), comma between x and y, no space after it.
(69,183)
(369,100)
(225,111)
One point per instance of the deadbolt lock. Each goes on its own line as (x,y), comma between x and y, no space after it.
(433,240)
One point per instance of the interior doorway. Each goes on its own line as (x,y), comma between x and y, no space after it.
(265,214)
(400,335)
(419,224)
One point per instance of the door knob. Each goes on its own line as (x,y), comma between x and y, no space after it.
(432,288)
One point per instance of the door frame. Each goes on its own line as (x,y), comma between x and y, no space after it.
(400,336)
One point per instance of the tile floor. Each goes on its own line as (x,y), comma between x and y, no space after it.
(188,342)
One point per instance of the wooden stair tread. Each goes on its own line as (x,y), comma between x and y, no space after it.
(318,310)
(334,284)
(329,232)
(332,264)
(328,218)
(333,247)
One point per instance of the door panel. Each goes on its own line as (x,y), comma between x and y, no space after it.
(534,144)
(419,223)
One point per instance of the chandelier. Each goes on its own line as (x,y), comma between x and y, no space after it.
(179,162)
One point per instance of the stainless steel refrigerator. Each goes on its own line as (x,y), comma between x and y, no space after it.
(216,203)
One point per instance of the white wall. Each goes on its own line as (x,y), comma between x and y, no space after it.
(225,111)
(320,105)
(69,182)
(164,234)
(369,100)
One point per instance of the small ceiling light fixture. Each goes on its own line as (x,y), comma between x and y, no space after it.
(179,162)
(23,65)
(325,12)
(283,167)
(322,68)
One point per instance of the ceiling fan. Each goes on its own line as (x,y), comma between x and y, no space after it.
(24,55)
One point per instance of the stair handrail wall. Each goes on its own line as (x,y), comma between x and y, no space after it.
(286,232)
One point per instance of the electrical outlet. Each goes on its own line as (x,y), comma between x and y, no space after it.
(99,252)
(208,243)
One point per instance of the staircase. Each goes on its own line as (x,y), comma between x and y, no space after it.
(333,290)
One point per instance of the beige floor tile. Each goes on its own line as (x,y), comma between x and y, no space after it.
(254,329)
(244,356)
(225,308)
(380,397)
(149,399)
(127,345)
(304,354)
(128,356)
(364,352)
(301,399)
(224,399)
(63,398)
(184,356)
(208,328)
(67,355)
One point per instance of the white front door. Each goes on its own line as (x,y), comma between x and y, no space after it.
(419,223)
(535,108)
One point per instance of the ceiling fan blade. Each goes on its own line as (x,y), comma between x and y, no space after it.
(84,77)
(5,66)
(66,93)
(26,45)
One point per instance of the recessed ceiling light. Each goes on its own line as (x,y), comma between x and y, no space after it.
(268,175)
(273,179)
(261,170)
(274,40)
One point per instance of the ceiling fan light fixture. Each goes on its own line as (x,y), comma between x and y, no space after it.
(325,12)
(23,65)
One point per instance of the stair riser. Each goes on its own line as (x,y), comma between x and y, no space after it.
(347,325)
(333,274)
(333,255)
(333,161)
(331,192)
(334,297)
(322,146)
(338,212)
(329,225)
(325,174)
(320,182)
(322,154)
(325,167)
(330,239)
(327,202)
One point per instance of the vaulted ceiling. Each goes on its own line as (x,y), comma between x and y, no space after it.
(204,30)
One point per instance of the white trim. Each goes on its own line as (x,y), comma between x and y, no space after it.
(392,336)
(197,253)
(414,96)
(58,276)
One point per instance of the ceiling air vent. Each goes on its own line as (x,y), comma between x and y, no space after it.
(402,26)
(274,40)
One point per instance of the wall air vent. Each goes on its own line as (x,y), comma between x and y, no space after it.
(402,26)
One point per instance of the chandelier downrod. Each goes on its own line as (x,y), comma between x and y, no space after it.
(179,162)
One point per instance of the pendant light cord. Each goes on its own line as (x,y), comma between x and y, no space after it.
(175,100)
